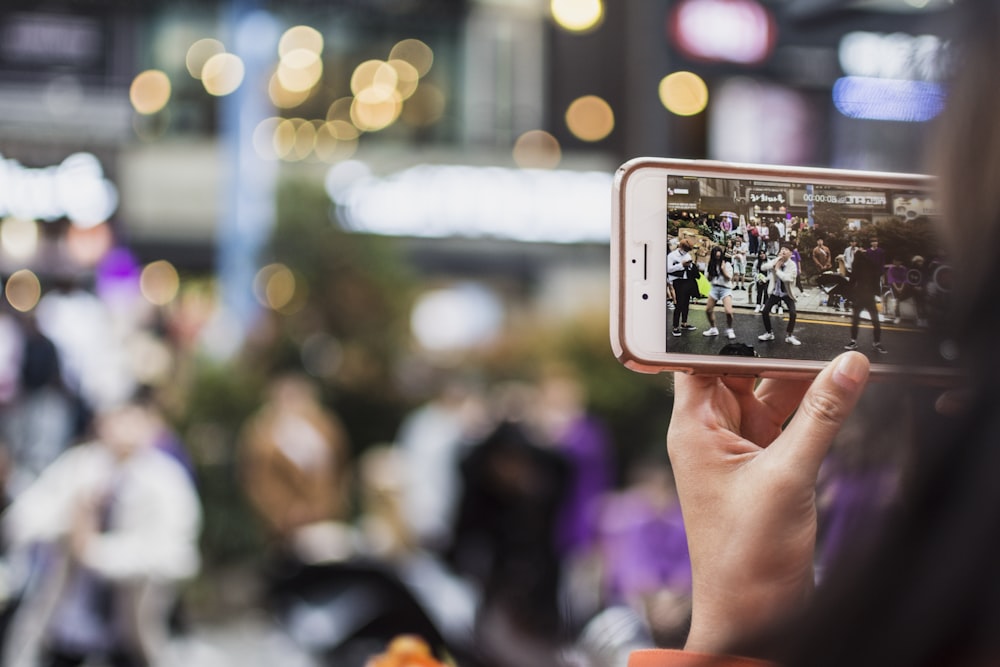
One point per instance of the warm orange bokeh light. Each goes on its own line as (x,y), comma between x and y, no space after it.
(590,118)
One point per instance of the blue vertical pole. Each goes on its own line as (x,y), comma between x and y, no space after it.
(248,207)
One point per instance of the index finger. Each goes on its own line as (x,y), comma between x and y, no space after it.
(781,396)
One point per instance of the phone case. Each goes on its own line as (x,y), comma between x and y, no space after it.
(638,360)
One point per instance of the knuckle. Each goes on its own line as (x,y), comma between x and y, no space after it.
(823,407)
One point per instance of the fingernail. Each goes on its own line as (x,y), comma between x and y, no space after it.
(851,370)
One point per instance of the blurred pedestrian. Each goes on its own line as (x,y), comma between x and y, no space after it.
(294,468)
(513,490)
(432,441)
(567,424)
(646,564)
(111,528)
(40,422)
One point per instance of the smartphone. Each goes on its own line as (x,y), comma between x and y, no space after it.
(696,243)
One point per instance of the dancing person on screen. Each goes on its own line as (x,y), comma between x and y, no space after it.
(720,276)
(864,285)
(782,281)
(682,276)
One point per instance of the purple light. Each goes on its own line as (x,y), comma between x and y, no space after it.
(888,99)
(117,276)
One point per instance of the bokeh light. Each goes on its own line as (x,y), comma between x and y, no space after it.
(284,137)
(336,140)
(300,70)
(537,149)
(888,99)
(415,52)
(305,139)
(199,53)
(276,287)
(577,15)
(590,118)
(376,74)
(407,77)
(375,109)
(340,109)
(684,93)
(425,107)
(159,282)
(740,31)
(300,37)
(223,73)
(263,138)
(283,98)
(89,245)
(23,290)
(149,92)
(343,176)
(455,318)
(19,237)
(87,197)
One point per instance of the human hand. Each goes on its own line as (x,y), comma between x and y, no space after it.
(748,491)
(84,525)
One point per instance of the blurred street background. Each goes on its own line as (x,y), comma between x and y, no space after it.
(350,258)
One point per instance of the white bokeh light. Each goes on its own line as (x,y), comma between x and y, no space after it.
(456,318)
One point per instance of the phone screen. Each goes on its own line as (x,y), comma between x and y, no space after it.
(804,269)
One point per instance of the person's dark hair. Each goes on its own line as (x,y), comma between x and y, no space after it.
(715,259)
(927,592)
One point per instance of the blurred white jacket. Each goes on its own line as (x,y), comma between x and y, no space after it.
(150,541)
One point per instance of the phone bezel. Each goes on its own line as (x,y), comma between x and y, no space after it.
(638,326)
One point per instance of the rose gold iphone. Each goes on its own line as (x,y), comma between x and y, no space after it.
(773,271)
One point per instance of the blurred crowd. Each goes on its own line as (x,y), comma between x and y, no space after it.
(501,524)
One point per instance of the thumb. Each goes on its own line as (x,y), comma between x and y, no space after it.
(826,404)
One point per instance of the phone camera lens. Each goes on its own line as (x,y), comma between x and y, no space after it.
(645,296)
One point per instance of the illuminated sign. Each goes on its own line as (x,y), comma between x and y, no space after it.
(75,189)
(888,99)
(460,201)
(892,56)
(890,76)
(737,31)
(873,199)
(47,39)
(767,197)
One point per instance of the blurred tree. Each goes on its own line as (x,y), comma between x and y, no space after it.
(359,293)
(352,293)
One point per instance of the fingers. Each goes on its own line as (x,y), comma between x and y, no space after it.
(782,396)
(825,406)
(690,389)
(954,402)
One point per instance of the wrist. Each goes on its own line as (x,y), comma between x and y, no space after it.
(723,618)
